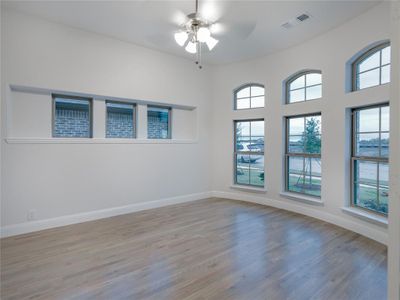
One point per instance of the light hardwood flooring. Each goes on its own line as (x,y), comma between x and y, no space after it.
(210,249)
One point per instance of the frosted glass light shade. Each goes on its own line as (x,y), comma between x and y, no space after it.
(181,38)
(191,47)
(203,34)
(211,42)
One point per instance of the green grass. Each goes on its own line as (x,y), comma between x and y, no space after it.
(243,177)
(367,197)
(295,185)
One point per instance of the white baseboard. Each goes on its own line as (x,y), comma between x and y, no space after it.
(310,211)
(32,226)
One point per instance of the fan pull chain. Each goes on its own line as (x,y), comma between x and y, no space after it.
(200,65)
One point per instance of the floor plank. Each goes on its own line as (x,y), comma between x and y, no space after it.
(211,249)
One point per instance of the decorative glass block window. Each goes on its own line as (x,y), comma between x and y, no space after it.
(304,86)
(249,96)
(249,153)
(372,68)
(370,151)
(303,155)
(72,117)
(120,120)
(158,122)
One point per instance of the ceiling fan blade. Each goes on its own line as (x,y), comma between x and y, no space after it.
(234,30)
(179,18)
(212,11)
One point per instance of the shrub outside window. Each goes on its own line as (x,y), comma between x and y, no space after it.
(304,86)
(249,152)
(303,155)
(372,68)
(72,117)
(250,96)
(370,164)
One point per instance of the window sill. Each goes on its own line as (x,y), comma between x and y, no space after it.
(248,109)
(97,141)
(303,101)
(248,188)
(368,88)
(302,198)
(379,220)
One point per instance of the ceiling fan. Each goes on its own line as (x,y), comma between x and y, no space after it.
(194,33)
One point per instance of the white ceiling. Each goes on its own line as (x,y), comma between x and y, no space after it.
(249,28)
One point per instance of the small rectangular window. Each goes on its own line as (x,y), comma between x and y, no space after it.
(370,164)
(303,155)
(158,122)
(72,117)
(249,153)
(120,120)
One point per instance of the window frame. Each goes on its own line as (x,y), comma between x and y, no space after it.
(296,154)
(53,118)
(169,135)
(247,85)
(362,57)
(134,120)
(235,153)
(355,158)
(296,76)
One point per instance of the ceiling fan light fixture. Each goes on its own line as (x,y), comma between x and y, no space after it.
(211,42)
(191,47)
(203,34)
(181,38)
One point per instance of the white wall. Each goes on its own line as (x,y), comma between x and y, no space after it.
(394,209)
(328,53)
(60,179)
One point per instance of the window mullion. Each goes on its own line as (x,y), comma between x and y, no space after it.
(250,143)
(377,183)
(304,171)
(305,88)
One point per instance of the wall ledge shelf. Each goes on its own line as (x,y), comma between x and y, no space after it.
(96,141)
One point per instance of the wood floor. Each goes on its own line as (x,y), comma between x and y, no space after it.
(211,249)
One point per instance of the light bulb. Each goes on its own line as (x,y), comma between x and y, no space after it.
(211,42)
(203,34)
(191,47)
(181,37)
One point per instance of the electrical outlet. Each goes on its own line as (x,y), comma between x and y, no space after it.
(31,216)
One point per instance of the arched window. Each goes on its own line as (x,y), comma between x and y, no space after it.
(372,68)
(304,86)
(249,96)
